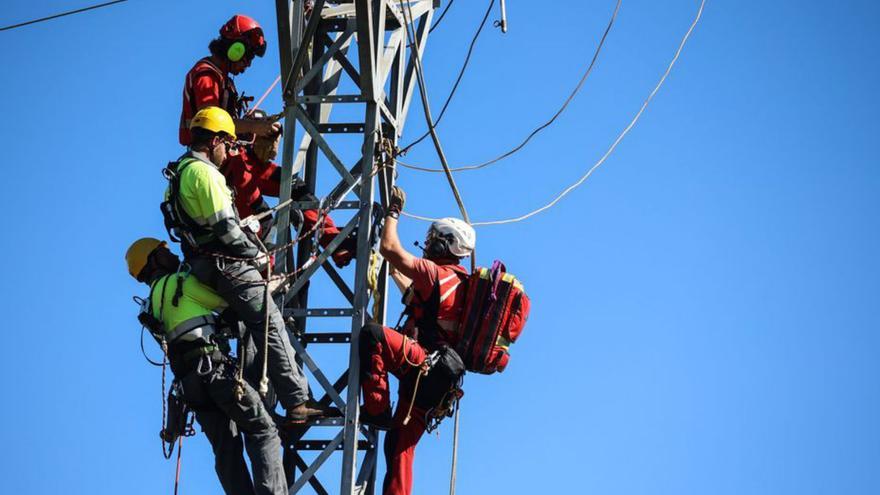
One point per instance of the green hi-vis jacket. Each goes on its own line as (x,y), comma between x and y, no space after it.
(195,307)
(205,197)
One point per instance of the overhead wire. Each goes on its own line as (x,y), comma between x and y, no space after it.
(461,72)
(613,146)
(440,17)
(62,14)
(426,106)
(538,129)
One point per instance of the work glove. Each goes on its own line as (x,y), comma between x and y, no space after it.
(398,199)
(266,147)
(269,128)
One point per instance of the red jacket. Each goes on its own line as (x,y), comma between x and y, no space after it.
(206,85)
(251,179)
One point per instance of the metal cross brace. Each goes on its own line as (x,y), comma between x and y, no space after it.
(314,54)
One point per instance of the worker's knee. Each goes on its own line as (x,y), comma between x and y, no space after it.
(371,334)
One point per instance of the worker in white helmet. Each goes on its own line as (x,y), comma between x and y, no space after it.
(434,297)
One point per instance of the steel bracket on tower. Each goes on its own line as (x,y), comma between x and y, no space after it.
(359,44)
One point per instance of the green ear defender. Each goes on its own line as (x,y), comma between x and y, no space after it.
(236,51)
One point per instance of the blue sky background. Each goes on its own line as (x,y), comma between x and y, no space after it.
(705,315)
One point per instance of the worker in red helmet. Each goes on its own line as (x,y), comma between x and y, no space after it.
(209,83)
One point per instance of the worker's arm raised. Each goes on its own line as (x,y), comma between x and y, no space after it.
(390,247)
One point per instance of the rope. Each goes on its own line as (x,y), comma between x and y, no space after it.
(270,252)
(48,18)
(264,378)
(266,93)
(164,345)
(165,453)
(452,476)
(541,127)
(467,60)
(422,371)
(610,150)
(413,399)
(177,471)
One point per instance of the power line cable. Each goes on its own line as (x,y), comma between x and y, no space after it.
(540,128)
(423,93)
(610,149)
(464,66)
(77,11)
(440,17)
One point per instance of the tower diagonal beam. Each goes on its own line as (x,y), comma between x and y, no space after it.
(366,39)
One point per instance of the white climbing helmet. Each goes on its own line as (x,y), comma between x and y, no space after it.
(460,237)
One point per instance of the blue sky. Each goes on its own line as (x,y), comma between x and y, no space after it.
(702,318)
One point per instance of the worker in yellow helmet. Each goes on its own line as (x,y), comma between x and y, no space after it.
(199,208)
(181,312)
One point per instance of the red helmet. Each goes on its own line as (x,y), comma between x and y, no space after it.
(246,29)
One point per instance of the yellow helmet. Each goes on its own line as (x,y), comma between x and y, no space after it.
(214,119)
(137,254)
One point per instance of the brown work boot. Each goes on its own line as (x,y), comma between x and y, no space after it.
(310,409)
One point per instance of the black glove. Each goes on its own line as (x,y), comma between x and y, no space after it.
(300,190)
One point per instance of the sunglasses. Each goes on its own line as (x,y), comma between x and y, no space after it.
(230,144)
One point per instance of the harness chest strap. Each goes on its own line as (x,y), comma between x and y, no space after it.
(177,221)
(428,323)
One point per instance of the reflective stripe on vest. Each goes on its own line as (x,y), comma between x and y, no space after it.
(198,327)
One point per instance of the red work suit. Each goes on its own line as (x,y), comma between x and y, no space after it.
(385,350)
(252,179)
(206,85)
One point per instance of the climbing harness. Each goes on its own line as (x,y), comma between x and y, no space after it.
(174,410)
(178,223)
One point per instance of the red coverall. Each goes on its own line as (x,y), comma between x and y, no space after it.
(382,352)
(206,85)
(252,179)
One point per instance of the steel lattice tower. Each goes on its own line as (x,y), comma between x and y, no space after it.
(315,55)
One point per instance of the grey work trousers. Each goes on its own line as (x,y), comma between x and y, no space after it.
(224,419)
(242,286)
